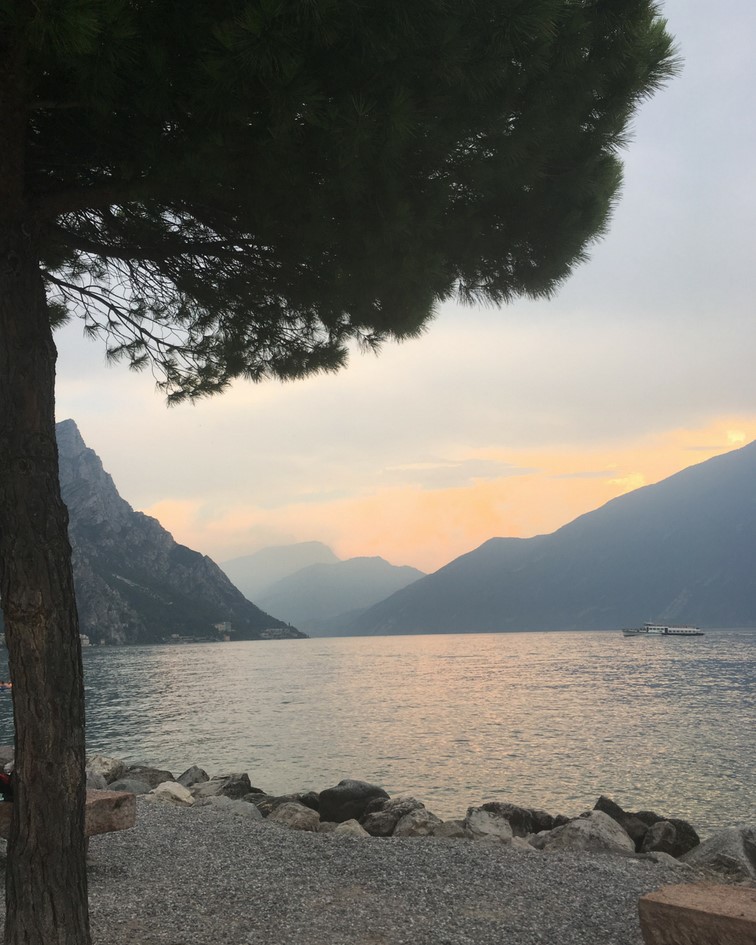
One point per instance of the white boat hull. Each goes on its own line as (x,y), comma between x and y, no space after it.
(662,630)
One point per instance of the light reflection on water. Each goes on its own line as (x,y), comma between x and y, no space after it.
(542,719)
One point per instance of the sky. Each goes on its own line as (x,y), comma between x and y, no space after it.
(496,422)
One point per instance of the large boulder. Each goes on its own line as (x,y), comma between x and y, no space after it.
(452,830)
(633,825)
(594,832)
(237,808)
(348,800)
(110,768)
(192,776)
(235,786)
(523,820)
(383,814)
(267,803)
(151,776)
(731,852)
(417,823)
(296,816)
(482,824)
(350,828)
(171,792)
(130,786)
(95,782)
(643,828)
(648,817)
(673,836)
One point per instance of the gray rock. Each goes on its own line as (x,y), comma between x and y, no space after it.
(731,852)
(96,782)
(112,769)
(417,823)
(486,825)
(327,826)
(296,816)
(633,825)
(594,832)
(675,837)
(151,776)
(452,830)
(664,859)
(310,799)
(267,803)
(205,789)
(350,828)
(192,776)
(171,792)
(6,755)
(520,843)
(375,805)
(610,807)
(348,800)
(381,822)
(237,808)
(131,785)
(523,820)
(648,817)
(235,786)
(247,811)
(217,800)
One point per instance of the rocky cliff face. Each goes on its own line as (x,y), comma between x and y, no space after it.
(134,583)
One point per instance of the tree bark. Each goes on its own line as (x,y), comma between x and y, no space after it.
(46,881)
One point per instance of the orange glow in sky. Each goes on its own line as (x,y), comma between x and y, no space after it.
(427,528)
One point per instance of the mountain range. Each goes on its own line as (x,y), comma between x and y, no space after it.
(307,585)
(682,550)
(254,574)
(134,583)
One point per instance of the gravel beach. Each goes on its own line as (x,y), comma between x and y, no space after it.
(205,876)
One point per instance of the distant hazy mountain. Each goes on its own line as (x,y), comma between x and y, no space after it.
(134,583)
(683,550)
(254,574)
(312,597)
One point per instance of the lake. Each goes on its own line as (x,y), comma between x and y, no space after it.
(540,719)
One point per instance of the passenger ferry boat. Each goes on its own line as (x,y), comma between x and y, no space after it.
(663,630)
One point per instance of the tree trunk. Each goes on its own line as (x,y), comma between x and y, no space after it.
(46,880)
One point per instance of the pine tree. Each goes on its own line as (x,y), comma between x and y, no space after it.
(239,189)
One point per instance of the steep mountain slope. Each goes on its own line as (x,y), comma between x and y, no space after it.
(134,583)
(682,550)
(312,597)
(255,574)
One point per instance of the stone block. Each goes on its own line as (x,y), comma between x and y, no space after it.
(105,812)
(699,914)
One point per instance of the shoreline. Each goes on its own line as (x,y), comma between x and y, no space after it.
(208,865)
(203,876)
(364,810)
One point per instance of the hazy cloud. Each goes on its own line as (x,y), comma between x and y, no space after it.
(655,335)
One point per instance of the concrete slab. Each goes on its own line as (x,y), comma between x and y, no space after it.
(699,914)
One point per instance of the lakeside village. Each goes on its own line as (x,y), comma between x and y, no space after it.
(221,633)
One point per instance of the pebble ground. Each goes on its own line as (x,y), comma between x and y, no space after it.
(204,876)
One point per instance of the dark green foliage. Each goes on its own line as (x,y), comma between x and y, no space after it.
(238,188)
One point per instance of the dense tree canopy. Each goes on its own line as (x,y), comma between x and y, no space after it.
(239,188)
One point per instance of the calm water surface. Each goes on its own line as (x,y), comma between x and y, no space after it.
(542,719)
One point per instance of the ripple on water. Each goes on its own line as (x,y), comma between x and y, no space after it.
(548,720)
